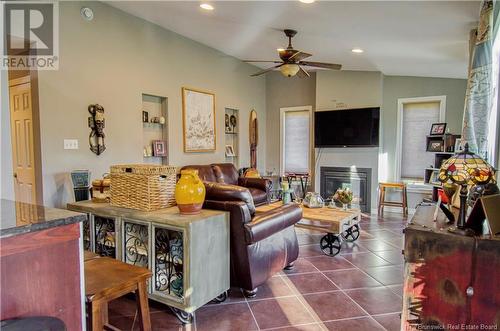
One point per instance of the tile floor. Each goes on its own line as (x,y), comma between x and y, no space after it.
(359,289)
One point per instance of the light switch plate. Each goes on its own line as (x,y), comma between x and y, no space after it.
(70,143)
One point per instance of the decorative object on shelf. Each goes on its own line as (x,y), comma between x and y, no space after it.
(254,138)
(80,179)
(434,178)
(101,191)
(229,151)
(313,200)
(162,120)
(198,114)
(145,116)
(344,196)
(143,186)
(466,168)
(96,124)
(435,146)
(458,145)
(438,129)
(189,192)
(233,122)
(159,148)
(227,124)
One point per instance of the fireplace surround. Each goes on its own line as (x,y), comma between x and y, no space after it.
(357,179)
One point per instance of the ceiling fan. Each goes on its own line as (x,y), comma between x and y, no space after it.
(292,63)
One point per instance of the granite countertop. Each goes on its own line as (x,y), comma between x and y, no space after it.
(18,218)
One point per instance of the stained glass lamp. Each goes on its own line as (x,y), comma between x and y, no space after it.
(465,168)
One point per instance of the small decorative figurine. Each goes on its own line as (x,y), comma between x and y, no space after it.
(96,124)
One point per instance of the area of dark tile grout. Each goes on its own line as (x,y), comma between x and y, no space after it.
(359,289)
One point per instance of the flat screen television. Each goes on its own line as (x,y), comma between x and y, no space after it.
(347,128)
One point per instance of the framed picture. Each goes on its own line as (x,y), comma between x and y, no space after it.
(227,124)
(198,120)
(435,146)
(438,129)
(458,145)
(229,150)
(159,148)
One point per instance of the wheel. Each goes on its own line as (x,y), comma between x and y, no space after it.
(330,244)
(351,234)
(220,298)
(184,317)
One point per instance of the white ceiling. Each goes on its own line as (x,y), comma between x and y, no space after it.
(413,38)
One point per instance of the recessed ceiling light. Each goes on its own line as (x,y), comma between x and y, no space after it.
(307,1)
(357,50)
(87,13)
(207,6)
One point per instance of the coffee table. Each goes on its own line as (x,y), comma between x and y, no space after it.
(338,224)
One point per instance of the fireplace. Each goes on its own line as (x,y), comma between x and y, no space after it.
(357,179)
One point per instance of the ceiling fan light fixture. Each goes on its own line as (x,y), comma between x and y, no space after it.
(207,6)
(289,70)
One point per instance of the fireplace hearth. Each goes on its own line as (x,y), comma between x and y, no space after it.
(357,179)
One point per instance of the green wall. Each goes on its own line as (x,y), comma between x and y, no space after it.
(396,87)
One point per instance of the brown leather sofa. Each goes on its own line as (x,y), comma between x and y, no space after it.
(261,244)
(227,173)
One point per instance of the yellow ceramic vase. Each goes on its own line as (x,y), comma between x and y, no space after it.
(189,192)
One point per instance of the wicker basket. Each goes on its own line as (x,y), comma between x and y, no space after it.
(143,187)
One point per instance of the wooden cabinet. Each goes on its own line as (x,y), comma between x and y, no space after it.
(451,281)
(187,255)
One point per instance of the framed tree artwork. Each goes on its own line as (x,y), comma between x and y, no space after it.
(198,120)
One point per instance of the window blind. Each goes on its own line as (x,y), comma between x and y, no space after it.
(296,141)
(417,121)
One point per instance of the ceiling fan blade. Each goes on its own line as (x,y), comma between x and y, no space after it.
(303,73)
(299,56)
(261,61)
(266,70)
(331,66)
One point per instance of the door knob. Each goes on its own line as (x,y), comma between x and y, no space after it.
(15,174)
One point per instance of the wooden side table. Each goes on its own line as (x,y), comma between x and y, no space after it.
(107,279)
(381,198)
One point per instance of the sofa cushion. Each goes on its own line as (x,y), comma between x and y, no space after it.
(259,196)
(227,172)
(205,172)
(268,223)
(226,192)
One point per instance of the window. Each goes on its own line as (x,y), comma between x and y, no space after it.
(295,140)
(416,116)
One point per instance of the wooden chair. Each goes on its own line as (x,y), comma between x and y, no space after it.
(107,279)
(381,197)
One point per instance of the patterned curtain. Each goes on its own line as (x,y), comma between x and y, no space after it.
(479,95)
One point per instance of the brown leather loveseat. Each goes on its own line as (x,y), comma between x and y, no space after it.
(262,244)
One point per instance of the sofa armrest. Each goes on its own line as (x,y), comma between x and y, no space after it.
(226,192)
(258,183)
(266,224)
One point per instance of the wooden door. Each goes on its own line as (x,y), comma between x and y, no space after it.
(23,147)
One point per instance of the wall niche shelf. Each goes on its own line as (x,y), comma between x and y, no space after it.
(231,133)
(155,107)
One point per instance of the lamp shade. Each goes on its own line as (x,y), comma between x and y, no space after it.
(466,168)
(289,70)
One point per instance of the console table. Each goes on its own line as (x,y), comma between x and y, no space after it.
(187,255)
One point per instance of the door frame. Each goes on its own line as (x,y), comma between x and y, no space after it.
(31,77)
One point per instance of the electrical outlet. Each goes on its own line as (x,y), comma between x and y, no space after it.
(70,143)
